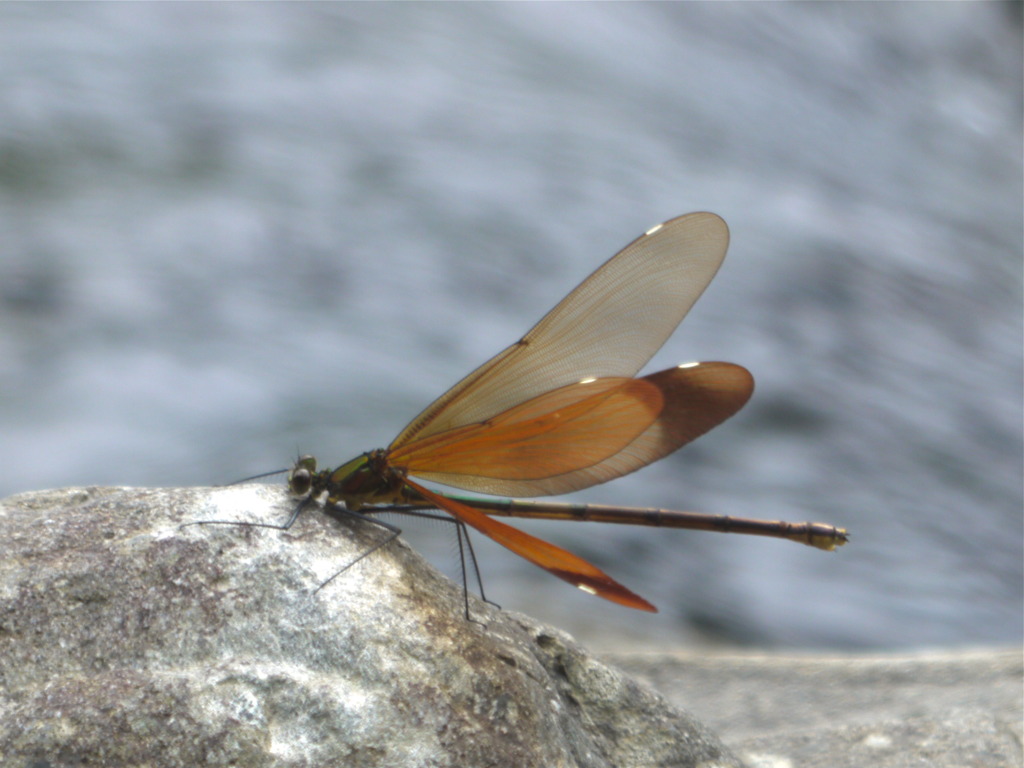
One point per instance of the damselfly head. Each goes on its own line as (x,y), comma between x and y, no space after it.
(300,479)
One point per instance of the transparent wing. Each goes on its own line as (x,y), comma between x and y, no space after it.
(608,326)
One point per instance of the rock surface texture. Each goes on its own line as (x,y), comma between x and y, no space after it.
(952,709)
(128,640)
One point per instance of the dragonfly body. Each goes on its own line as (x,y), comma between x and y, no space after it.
(561,410)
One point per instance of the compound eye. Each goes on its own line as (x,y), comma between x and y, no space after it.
(300,481)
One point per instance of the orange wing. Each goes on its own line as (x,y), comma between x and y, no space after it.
(552,434)
(581,435)
(555,560)
(608,326)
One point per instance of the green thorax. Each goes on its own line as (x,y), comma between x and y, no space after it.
(366,479)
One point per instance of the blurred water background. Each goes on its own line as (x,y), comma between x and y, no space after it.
(231,233)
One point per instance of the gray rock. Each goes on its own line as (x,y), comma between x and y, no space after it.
(127,640)
(942,709)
